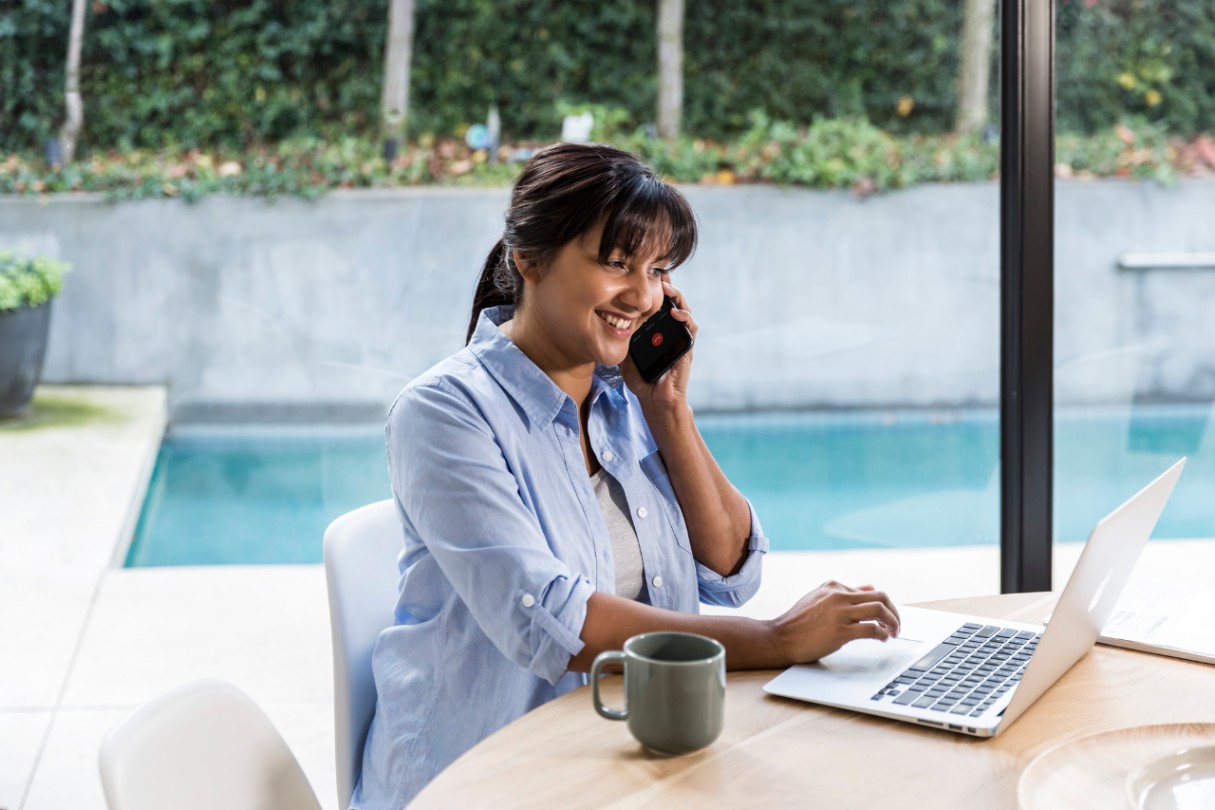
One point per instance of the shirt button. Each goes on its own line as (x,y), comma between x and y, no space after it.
(656,582)
(607,455)
(642,512)
(528,600)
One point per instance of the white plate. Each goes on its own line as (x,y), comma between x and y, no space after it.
(1100,771)
(1183,780)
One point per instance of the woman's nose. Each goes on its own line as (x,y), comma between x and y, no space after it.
(641,294)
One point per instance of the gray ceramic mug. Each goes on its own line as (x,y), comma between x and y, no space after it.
(674,690)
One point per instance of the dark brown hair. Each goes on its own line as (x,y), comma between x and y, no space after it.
(566,190)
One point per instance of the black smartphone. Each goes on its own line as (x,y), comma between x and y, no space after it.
(659,343)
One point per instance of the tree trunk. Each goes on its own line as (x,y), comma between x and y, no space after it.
(976,66)
(69,133)
(670,67)
(394,99)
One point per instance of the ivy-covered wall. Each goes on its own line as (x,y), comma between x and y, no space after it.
(214,73)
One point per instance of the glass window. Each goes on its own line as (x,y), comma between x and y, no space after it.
(1134,262)
(862,326)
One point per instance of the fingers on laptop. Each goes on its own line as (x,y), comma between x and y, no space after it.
(831,615)
(880,619)
(868,606)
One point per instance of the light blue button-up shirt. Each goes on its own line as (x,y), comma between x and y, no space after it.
(505,542)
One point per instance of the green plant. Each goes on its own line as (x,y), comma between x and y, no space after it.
(688,160)
(1135,148)
(237,74)
(830,153)
(1147,58)
(28,281)
(848,153)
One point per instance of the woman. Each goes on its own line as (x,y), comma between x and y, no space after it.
(552,509)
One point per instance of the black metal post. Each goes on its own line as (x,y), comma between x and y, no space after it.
(1027,209)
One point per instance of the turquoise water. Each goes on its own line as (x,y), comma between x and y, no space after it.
(873,480)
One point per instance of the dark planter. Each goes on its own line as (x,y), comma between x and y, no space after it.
(23,334)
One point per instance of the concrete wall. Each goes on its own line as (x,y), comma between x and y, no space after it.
(804,299)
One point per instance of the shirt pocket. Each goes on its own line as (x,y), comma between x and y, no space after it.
(656,472)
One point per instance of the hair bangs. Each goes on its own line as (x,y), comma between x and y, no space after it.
(652,216)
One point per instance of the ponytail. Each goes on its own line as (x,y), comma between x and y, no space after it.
(497,285)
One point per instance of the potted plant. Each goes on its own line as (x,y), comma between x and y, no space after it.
(27,285)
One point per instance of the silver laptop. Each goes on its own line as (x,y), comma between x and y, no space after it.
(974,675)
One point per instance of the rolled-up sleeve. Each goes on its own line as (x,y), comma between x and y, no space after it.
(737,588)
(451,480)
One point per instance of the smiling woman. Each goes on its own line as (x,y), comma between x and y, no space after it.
(553,502)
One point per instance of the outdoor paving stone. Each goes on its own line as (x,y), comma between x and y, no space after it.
(42,613)
(79,486)
(264,629)
(21,735)
(67,775)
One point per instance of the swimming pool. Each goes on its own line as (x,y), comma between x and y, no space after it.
(890,479)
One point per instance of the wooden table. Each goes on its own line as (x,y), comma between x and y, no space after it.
(784,753)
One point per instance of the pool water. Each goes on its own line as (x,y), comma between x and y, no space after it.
(870,480)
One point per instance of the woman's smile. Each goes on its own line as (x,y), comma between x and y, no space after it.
(617,324)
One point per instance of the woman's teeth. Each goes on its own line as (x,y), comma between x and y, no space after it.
(618,323)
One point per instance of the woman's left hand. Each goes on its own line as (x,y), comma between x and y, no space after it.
(670,390)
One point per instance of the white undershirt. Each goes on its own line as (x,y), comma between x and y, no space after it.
(626,551)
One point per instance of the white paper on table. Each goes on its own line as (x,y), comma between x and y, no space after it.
(1168,618)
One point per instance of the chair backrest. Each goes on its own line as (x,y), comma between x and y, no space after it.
(361,550)
(202,746)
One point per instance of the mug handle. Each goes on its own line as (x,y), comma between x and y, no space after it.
(601,660)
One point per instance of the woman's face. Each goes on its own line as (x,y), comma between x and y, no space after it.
(587,310)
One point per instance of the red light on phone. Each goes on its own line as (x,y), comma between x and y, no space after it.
(656,340)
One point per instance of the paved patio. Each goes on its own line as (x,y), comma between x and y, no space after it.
(84,642)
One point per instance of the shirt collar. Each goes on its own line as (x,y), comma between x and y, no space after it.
(533,390)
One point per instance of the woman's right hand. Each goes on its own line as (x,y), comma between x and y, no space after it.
(829,617)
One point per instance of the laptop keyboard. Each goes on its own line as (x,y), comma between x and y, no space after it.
(966,673)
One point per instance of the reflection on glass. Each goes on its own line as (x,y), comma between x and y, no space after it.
(867,315)
(1135,256)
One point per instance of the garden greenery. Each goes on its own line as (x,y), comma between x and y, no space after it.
(28,281)
(279,97)
(229,74)
(829,153)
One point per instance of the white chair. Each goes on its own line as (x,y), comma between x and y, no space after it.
(199,747)
(361,550)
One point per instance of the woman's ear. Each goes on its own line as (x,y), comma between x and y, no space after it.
(526,268)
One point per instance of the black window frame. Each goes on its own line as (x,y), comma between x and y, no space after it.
(1027,205)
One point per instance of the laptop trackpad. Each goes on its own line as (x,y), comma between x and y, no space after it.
(871,655)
